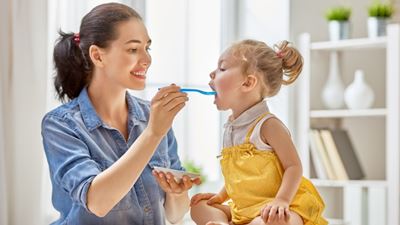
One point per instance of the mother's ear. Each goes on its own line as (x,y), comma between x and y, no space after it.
(250,82)
(95,54)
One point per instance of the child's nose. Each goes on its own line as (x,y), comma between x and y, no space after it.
(212,74)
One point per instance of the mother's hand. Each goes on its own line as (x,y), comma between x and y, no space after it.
(164,106)
(168,183)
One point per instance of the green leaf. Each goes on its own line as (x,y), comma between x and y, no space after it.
(379,9)
(339,13)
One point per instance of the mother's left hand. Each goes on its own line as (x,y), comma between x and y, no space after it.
(168,183)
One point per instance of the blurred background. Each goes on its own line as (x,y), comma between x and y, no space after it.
(187,38)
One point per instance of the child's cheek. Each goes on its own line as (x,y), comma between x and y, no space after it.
(223,85)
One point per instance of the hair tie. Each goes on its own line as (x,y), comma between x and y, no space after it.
(77,38)
(279,54)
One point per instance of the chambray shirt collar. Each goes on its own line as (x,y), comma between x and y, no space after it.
(248,116)
(93,121)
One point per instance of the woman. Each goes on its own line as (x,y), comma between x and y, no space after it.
(102,144)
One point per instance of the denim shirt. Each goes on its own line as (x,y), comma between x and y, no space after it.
(78,146)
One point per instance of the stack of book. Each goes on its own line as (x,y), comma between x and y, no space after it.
(333,155)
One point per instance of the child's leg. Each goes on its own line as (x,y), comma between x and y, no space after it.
(294,219)
(202,213)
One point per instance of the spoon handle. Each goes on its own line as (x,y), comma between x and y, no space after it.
(197,90)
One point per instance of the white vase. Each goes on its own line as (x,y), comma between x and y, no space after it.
(359,95)
(333,90)
(376,27)
(338,30)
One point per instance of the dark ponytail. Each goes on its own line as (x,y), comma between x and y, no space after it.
(71,67)
(71,54)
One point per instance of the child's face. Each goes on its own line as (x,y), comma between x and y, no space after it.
(127,58)
(227,80)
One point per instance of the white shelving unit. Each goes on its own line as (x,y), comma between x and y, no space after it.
(355,204)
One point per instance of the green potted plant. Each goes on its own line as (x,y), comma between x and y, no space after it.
(338,18)
(379,13)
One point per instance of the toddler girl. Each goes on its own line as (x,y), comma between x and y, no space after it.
(260,165)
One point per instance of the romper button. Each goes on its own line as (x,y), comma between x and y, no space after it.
(146,209)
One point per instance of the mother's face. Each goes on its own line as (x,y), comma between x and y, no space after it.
(127,58)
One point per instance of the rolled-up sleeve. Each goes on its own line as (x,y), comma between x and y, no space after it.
(70,163)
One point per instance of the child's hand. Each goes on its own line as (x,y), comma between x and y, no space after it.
(211,197)
(277,210)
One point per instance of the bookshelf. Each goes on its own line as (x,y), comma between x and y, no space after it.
(374,199)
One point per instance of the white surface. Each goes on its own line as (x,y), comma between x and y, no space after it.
(393,123)
(4,74)
(349,183)
(350,44)
(348,113)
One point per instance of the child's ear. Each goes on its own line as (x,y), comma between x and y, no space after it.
(250,82)
(95,54)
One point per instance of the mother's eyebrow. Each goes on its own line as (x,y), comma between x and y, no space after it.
(137,41)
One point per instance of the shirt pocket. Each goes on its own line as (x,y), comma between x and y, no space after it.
(127,201)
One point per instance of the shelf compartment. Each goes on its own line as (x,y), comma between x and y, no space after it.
(342,113)
(350,44)
(347,183)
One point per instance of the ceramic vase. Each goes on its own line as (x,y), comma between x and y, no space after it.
(333,90)
(359,95)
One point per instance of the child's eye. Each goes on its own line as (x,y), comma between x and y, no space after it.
(222,69)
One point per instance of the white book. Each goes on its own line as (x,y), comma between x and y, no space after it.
(330,172)
(333,154)
(316,157)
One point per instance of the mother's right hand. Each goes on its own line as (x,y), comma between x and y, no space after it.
(164,106)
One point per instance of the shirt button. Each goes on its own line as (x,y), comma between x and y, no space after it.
(146,209)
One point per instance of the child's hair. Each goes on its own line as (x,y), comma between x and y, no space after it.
(257,57)
(71,53)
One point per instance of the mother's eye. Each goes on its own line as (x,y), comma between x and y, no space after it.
(132,50)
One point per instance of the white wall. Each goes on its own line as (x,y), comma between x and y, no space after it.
(268,21)
(25,107)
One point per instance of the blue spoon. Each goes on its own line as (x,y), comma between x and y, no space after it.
(198,91)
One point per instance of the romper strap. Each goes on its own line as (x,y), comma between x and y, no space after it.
(247,140)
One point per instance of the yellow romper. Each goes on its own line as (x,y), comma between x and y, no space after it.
(252,179)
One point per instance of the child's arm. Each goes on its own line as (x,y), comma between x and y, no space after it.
(275,134)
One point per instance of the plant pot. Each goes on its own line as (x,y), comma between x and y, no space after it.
(338,30)
(376,27)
